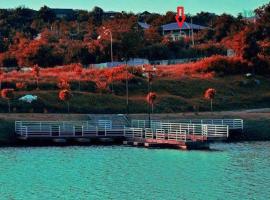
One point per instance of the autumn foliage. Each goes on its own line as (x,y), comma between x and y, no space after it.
(7,94)
(63,84)
(65,95)
(210,94)
(151,97)
(20,85)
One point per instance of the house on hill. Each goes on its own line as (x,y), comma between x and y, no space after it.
(173,31)
(62,12)
(144,25)
(252,19)
(110,14)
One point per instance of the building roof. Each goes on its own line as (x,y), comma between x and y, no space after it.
(251,19)
(186,26)
(144,25)
(62,11)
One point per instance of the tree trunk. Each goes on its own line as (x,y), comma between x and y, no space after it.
(8,105)
(68,106)
(152,108)
(211,105)
(37,82)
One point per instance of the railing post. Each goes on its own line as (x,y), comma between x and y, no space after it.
(82,130)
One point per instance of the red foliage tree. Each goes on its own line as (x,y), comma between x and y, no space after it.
(209,94)
(20,85)
(150,98)
(7,94)
(63,84)
(1,78)
(65,95)
(36,73)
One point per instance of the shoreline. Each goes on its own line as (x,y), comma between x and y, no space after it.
(256,122)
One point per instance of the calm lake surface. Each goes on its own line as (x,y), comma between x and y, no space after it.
(230,171)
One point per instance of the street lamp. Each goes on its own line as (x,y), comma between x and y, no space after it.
(108,31)
(149,72)
(127,92)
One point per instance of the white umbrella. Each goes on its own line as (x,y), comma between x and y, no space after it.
(28,98)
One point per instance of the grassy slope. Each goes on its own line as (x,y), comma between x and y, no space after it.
(174,96)
(233,93)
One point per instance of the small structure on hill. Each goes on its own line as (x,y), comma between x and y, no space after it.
(173,31)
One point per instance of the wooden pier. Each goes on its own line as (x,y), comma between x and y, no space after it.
(136,133)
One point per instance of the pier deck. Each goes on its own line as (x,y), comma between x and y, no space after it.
(160,134)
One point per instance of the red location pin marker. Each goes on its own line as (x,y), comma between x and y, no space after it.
(180,14)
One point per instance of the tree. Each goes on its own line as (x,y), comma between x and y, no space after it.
(210,95)
(36,73)
(7,94)
(131,44)
(46,14)
(97,14)
(251,49)
(1,77)
(150,98)
(226,25)
(63,84)
(65,95)
(203,18)
(20,85)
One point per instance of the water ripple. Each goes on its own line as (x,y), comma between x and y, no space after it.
(234,171)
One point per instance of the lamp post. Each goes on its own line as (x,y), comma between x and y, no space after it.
(149,72)
(108,31)
(127,92)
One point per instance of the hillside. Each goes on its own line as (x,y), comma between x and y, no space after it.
(173,95)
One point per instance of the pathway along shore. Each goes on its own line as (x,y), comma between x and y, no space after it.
(256,122)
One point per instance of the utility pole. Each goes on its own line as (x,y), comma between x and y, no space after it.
(149,72)
(192,35)
(127,92)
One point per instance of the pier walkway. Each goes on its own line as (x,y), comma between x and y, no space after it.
(135,132)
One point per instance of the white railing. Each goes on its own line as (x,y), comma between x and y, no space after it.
(65,128)
(148,133)
(133,132)
(160,134)
(209,130)
(160,131)
(233,124)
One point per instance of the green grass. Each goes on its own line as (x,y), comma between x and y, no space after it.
(233,93)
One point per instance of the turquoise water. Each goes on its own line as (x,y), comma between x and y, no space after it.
(231,171)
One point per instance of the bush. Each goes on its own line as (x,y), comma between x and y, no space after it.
(228,66)
(87,86)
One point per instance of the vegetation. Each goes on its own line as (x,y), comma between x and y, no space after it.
(210,95)
(59,51)
(29,37)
